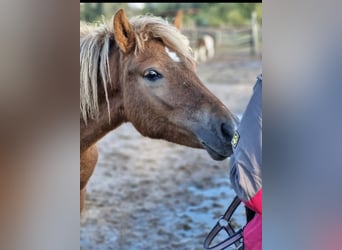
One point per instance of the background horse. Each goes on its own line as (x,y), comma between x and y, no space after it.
(178,20)
(141,71)
(205,48)
(205,45)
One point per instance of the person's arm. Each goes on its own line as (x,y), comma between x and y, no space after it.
(246,161)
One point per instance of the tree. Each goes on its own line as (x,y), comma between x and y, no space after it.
(200,14)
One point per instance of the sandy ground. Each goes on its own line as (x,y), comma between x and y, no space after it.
(152,194)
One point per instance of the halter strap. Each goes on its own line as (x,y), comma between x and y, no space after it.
(224,223)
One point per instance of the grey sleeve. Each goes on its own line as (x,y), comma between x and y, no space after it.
(246,161)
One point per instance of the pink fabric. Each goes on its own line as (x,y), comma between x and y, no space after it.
(256,202)
(252,234)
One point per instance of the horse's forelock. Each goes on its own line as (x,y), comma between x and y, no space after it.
(151,27)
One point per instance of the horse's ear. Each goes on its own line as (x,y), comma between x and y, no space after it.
(123,31)
(177,22)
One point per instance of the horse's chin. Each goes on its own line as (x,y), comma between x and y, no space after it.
(216,155)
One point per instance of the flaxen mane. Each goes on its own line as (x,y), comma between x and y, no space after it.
(94,52)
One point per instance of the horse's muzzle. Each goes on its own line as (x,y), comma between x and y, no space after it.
(216,140)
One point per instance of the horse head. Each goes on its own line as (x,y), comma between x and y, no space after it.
(162,95)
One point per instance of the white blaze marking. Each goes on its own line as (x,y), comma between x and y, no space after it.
(172,55)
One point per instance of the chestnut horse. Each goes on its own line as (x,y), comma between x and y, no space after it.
(141,71)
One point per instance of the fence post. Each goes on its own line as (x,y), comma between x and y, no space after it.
(254,42)
(218,38)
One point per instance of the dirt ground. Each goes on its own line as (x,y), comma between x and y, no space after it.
(152,194)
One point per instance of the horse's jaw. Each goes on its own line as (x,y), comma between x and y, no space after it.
(215,155)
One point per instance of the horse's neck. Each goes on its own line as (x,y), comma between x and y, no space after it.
(95,130)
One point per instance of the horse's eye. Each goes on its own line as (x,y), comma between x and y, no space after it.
(152,75)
